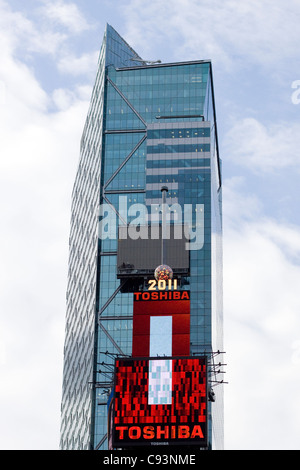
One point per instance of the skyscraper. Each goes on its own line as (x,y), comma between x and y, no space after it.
(150,133)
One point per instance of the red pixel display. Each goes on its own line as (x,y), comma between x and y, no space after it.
(154,304)
(176,410)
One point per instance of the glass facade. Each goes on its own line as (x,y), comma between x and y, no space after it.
(148,126)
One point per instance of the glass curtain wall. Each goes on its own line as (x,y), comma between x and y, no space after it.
(146,126)
(77,420)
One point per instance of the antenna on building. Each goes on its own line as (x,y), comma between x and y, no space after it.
(164,190)
(150,62)
(163,271)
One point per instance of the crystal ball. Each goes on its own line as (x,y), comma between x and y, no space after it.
(163,272)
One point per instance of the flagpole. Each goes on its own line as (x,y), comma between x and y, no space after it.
(164,190)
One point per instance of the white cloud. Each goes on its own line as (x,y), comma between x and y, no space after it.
(17,31)
(65,14)
(86,64)
(260,32)
(262,326)
(37,165)
(259,147)
(21,36)
(64,99)
(39,154)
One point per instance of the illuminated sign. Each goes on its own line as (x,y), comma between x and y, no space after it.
(162,295)
(162,284)
(160,393)
(160,400)
(161,323)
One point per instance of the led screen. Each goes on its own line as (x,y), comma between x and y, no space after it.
(160,400)
(161,323)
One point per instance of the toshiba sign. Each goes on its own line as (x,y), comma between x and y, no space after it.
(160,400)
(161,323)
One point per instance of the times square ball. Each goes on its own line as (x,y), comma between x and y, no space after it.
(163,272)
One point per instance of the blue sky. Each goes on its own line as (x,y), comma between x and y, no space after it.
(49,53)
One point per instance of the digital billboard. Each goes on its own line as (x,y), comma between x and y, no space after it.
(160,401)
(161,323)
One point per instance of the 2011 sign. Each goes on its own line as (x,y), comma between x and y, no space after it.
(162,284)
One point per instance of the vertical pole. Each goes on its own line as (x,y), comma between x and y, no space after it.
(164,190)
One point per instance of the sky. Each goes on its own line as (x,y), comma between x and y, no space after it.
(49,51)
